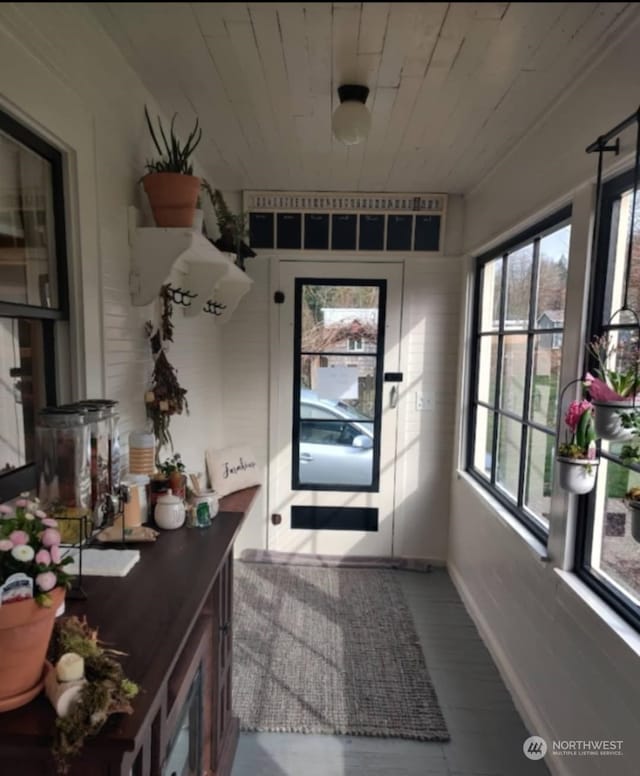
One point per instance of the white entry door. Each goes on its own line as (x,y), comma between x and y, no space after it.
(335,389)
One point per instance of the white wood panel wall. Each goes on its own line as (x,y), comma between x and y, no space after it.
(78,62)
(572,676)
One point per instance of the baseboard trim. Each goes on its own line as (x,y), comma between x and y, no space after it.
(531,715)
(355,561)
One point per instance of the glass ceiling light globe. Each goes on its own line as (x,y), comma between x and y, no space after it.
(351,120)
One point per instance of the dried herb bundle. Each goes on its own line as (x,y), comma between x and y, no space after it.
(108,691)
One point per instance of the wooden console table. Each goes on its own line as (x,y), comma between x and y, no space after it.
(172,616)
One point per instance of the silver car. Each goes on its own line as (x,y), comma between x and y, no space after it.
(334,453)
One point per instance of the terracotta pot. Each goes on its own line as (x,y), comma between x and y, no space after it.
(172,197)
(25,631)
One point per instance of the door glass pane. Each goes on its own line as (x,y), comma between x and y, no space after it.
(22,392)
(27,243)
(539,474)
(547,354)
(348,382)
(339,366)
(508,463)
(339,319)
(519,264)
(514,367)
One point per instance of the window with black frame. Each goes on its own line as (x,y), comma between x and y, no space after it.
(608,556)
(517,350)
(33,293)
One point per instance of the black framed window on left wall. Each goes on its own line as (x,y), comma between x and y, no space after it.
(33,293)
(519,305)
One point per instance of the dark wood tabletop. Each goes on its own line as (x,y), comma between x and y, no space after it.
(148,614)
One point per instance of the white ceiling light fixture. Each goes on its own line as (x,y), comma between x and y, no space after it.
(351,120)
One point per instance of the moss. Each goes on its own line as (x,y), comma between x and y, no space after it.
(108,691)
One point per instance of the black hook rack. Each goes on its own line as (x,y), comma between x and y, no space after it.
(180,296)
(214,308)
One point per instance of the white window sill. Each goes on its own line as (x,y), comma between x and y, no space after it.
(538,549)
(611,619)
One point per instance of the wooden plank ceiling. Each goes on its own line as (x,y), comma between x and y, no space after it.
(454,86)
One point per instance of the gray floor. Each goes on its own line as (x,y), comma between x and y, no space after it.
(486,731)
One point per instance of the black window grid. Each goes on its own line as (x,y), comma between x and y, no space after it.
(600,322)
(515,503)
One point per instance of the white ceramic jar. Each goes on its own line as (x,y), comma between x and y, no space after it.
(170,512)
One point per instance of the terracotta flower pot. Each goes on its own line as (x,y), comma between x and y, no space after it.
(172,197)
(25,631)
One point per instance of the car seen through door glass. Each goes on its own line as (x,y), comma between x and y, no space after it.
(336,443)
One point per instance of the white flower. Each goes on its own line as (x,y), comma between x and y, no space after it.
(23,553)
(28,516)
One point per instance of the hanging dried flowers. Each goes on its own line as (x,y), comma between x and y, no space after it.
(166,397)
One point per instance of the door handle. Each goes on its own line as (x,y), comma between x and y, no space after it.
(393,397)
(306,457)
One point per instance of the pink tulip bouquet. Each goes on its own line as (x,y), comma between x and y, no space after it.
(31,562)
(614,384)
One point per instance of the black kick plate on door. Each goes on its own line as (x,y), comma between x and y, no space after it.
(393,377)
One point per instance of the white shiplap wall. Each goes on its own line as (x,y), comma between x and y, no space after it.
(68,79)
(570,672)
(429,335)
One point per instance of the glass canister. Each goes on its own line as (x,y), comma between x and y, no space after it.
(63,456)
(97,419)
(142,448)
(111,429)
(134,489)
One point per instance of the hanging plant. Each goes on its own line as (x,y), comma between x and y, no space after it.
(166,397)
(232,227)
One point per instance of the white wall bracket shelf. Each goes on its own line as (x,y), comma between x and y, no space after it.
(157,253)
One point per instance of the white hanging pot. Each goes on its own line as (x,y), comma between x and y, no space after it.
(634,512)
(577,475)
(607,420)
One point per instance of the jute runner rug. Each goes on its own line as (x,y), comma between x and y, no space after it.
(329,650)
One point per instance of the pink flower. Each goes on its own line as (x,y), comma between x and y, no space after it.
(5,545)
(49,522)
(50,537)
(46,581)
(40,514)
(575,411)
(21,503)
(54,552)
(43,557)
(599,390)
(19,537)
(5,510)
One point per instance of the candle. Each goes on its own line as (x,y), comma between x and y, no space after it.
(70,667)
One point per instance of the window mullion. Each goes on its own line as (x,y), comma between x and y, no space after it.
(499,357)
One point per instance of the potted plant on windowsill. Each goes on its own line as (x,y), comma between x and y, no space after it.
(577,457)
(170,185)
(632,500)
(613,391)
